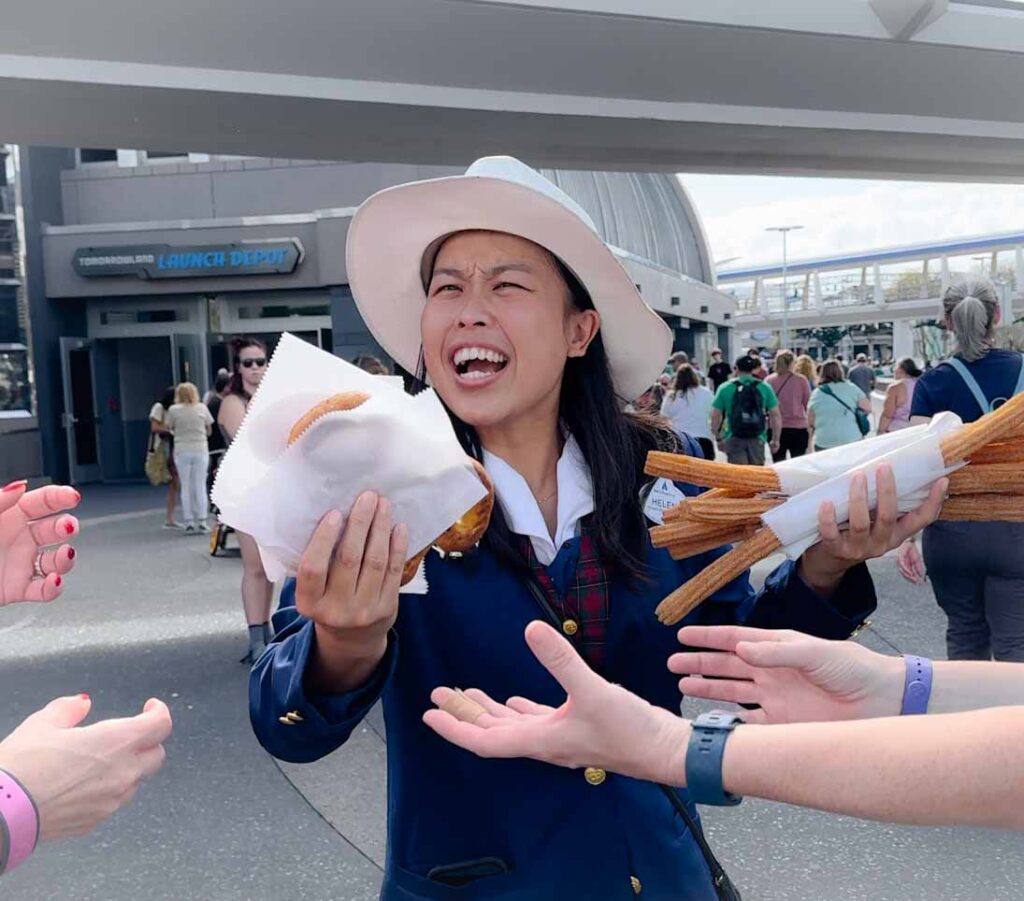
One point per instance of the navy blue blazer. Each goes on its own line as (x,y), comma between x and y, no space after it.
(523,829)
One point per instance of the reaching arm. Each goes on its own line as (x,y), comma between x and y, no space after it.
(797,678)
(962,768)
(959,769)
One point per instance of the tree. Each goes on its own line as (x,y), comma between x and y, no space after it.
(828,336)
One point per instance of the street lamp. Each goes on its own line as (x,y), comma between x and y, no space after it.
(784,230)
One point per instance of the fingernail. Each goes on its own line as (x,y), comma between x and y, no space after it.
(71,553)
(384,507)
(78,495)
(14,486)
(333,518)
(83,697)
(58,581)
(69,527)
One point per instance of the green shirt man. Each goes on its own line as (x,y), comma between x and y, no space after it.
(745,450)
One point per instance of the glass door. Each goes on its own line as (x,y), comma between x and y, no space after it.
(189,361)
(81,421)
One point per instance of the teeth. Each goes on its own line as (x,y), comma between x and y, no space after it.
(465,354)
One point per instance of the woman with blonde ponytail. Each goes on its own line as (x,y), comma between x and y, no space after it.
(976,568)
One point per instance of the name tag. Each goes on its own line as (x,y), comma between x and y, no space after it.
(659,497)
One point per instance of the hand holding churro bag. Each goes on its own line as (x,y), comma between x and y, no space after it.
(318,433)
(775,508)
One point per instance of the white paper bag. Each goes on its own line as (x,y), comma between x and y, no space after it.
(916,461)
(400,446)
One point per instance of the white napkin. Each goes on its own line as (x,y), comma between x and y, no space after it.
(916,461)
(400,446)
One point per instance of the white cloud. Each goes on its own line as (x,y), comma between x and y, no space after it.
(839,220)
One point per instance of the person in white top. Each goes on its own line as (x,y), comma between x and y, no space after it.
(688,406)
(191,423)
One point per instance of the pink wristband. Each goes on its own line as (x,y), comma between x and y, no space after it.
(19,822)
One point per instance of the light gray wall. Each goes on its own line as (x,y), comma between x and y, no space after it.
(226,189)
(645,213)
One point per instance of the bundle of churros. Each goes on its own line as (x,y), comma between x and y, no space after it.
(764,509)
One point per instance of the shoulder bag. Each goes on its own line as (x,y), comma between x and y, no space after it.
(863,420)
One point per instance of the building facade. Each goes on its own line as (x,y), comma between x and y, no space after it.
(142,266)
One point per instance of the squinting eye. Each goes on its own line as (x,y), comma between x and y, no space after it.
(509,285)
(441,289)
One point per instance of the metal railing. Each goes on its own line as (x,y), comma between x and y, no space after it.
(852,288)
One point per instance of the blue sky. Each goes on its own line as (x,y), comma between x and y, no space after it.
(842,215)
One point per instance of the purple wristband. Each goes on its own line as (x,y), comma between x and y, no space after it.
(917,689)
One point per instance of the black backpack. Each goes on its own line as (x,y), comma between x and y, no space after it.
(746,413)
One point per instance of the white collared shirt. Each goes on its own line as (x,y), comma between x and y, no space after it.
(522,512)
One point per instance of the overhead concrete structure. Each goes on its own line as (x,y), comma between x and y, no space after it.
(900,88)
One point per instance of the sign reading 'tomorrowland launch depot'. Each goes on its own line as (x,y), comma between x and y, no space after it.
(203,261)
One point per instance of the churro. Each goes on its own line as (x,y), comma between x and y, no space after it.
(681,550)
(710,474)
(729,566)
(983,508)
(995,426)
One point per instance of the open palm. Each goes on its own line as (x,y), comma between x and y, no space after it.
(596,726)
(792,677)
(33,528)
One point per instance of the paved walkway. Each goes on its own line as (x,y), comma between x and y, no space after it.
(151,613)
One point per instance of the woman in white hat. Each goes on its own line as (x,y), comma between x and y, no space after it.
(497,288)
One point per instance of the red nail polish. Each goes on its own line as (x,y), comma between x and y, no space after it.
(14,486)
(83,696)
(69,527)
(78,495)
(71,553)
(58,581)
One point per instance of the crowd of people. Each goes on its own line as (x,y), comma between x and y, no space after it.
(788,404)
(825,723)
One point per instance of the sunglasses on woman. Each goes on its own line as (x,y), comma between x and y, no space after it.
(254,361)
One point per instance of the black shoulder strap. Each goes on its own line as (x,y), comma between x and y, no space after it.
(723,884)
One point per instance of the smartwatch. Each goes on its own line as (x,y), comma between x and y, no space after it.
(704,758)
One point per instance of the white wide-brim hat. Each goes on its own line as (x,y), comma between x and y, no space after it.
(393,230)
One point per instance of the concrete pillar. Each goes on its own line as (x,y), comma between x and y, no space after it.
(1018,268)
(876,275)
(819,298)
(945,273)
(902,339)
(761,297)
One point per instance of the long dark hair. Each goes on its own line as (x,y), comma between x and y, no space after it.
(614,445)
(237,345)
(909,366)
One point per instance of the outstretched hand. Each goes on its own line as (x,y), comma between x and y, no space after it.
(32,528)
(795,678)
(598,725)
(78,775)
